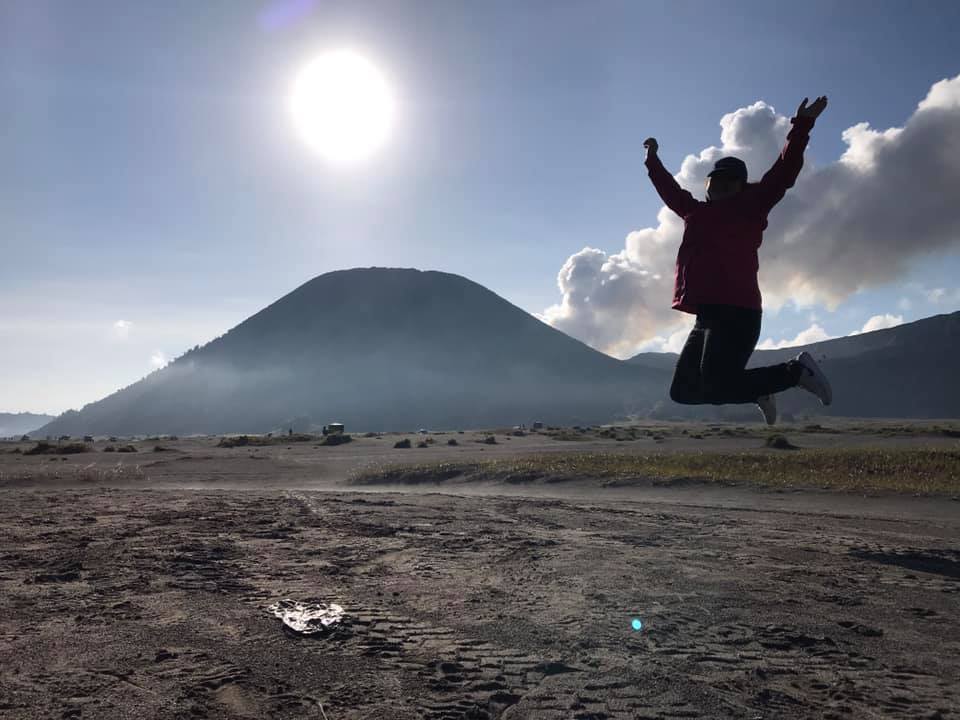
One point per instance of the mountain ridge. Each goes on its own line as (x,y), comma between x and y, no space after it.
(15,424)
(904,371)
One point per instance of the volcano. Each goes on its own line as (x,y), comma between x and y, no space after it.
(376,349)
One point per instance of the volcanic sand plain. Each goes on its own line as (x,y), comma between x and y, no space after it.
(136,584)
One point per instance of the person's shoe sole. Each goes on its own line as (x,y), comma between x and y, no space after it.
(819,386)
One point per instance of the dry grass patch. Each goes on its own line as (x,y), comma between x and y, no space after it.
(92,474)
(916,471)
(45,448)
(232,441)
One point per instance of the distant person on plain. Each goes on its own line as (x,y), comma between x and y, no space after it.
(716,278)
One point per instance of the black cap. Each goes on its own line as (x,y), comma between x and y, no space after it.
(735,167)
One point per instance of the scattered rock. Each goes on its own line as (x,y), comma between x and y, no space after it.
(779,442)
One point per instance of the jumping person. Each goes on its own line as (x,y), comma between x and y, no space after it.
(716,278)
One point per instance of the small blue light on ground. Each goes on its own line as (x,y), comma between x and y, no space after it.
(637,625)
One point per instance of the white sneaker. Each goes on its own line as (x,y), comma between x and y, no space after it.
(768,405)
(812,378)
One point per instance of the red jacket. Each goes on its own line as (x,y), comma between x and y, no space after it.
(717,261)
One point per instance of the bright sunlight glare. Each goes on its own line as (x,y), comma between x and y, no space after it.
(342,106)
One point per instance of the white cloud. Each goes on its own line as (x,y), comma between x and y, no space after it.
(158,359)
(610,301)
(856,223)
(880,322)
(672,343)
(812,334)
(942,296)
(122,328)
(815,333)
(943,94)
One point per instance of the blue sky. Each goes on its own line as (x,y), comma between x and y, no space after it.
(151,173)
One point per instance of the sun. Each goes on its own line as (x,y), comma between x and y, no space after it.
(342,106)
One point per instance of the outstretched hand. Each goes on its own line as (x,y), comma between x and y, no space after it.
(814,110)
(651,145)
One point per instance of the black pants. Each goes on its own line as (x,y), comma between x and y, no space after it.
(711,366)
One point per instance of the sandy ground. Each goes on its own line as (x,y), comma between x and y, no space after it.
(140,591)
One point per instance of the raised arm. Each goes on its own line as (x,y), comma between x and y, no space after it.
(781,177)
(673,196)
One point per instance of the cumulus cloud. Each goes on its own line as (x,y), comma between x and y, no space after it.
(671,343)
(856,223)
(815,333)
(608,300)
(158,359)
(122,328)
(812,334)
(880,322)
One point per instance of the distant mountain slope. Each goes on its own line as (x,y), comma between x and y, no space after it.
(15,424)
(377,349)
(657,361)
(908,371)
